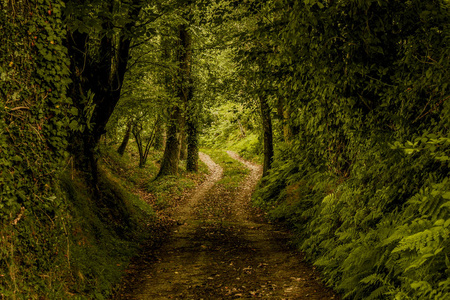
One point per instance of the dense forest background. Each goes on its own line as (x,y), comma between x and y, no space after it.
(344,102)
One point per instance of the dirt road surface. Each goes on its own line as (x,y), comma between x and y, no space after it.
(222,248)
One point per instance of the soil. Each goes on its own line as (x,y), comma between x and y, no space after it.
(222,248)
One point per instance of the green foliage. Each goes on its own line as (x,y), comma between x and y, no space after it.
(168,189)
(126,165)
(364,180)
(358,91)
(57,240)
(34,118)
(232,126)
(34,110)
(163,190)
(248,147)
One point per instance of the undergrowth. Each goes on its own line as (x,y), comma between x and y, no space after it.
(163,190)
(126,166)
(105,233)
(234,127)
(80,248)
(364,181)
(368,246)
(249,147)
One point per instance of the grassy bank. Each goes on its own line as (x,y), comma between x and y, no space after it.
(80,246)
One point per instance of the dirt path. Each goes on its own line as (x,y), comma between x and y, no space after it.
(184,213)
(223,250)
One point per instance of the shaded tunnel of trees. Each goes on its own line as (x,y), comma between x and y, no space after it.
(344,102)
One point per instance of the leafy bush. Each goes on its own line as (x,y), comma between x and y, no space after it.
(248,147)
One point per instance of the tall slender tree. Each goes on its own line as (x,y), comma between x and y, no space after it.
(266,120)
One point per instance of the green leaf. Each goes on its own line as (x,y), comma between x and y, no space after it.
(74,111)
(409,151)
(447,223)
(439,222)
(74,125)
(419,285)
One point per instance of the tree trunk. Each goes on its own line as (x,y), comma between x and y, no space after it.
(287,128)
(241,128)
(183,86)
(191,123)
(183,145)
(268,134)
(97,78)
(284,114)
(159,137)
(144,149)
(126,138)
(192,145)
(169,164)
(137,129)
(192,133)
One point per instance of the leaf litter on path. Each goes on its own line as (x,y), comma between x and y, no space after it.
(222,249)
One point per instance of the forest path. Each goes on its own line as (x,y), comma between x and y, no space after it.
(223,249)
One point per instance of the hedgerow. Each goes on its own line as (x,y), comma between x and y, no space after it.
(365,179)
(57,240)
(34,115)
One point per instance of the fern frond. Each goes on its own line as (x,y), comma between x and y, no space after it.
(373,279)
(379,293)
(422,242)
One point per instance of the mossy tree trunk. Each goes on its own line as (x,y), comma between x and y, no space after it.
(159,137)
(183,138)
(192,109)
